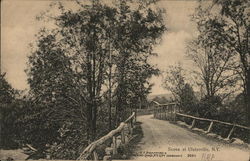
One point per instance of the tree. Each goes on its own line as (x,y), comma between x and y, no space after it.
(213,61)
(66,74)
(235,14)
(139,28)
(54,98)
(230,28)
(8,113)
(188,100)
(70,65)
(7,93)
(161,100)
(174,81)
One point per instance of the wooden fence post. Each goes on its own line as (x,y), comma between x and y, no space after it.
(162,113)
(193,123)
(131,131)
(123,137)
(171,113)
(159,112)
(135,115)
(168,113)
(114,145)
(174,115)
(108,152)
(231,132)
(165,113)
(131,128)
(95,156)
(210,127)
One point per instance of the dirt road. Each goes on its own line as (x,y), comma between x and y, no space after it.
(165,141)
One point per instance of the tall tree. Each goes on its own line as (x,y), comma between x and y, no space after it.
(68,67)
(235,34)
(174,81)
(214,61)
(7,113)
(140,27)
(229,25)
(70,64)
(55,97)
(7,93)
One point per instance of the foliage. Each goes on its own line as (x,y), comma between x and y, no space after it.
(71,135)
(9,112)
(188,99)
(69,69)
(226,23)
(235,14)
(138,29)
(52,100)
(161,100)
(208,106)
(234,111)
(7,93)
(174,81)
(213,60)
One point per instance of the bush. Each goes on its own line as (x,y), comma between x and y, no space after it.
(70,143)
(9,114)
(208,106)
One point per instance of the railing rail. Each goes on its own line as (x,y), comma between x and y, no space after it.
(90,149)
(169,113)
(211,120)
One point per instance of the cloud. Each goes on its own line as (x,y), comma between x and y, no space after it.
(170,51)
(14,54)
(173,46)
(19,27)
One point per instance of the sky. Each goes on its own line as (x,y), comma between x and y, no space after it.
(18,29)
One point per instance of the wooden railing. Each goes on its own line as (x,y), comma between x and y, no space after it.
(165,111)
(212,123)
(169,112)
(120,136)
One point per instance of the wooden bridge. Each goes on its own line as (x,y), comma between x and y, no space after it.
(161,133)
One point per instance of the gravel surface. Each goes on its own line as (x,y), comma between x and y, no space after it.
(165,141)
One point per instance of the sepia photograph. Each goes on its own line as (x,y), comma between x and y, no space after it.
(125,80)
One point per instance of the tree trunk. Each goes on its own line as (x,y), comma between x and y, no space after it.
(89,124)
(93,122)
(121,92)
(247,96)
(110,87)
